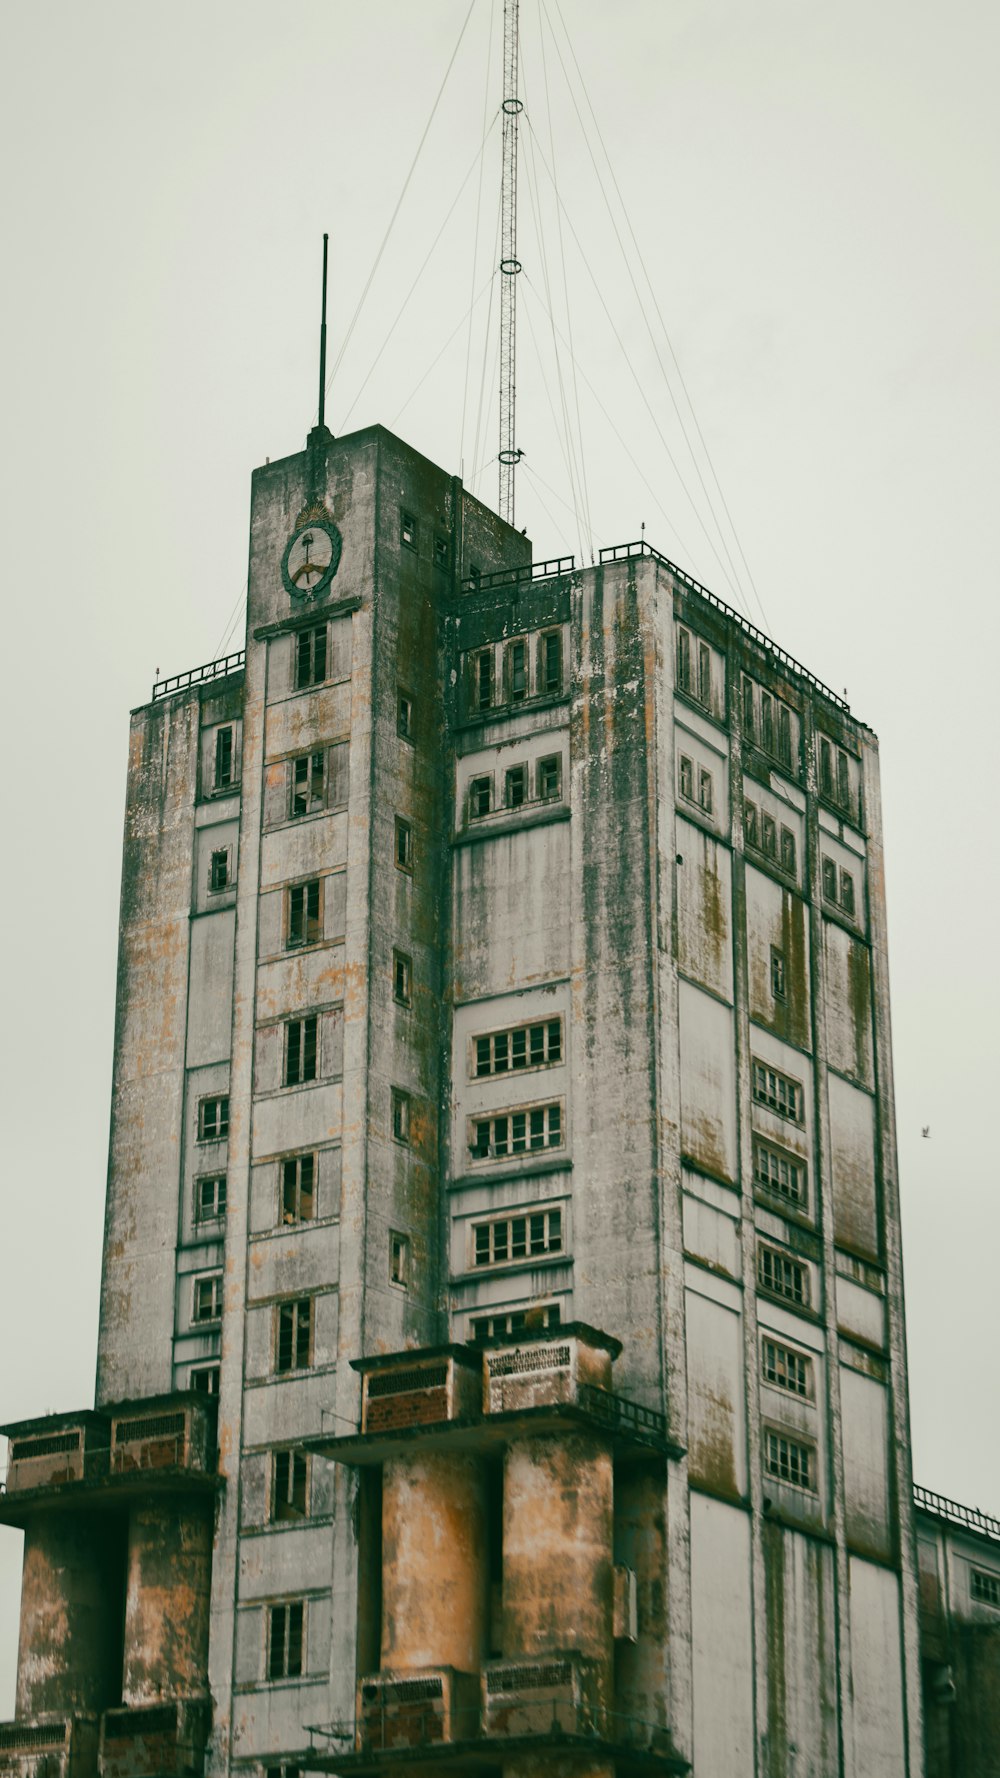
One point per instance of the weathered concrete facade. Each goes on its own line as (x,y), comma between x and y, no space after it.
(502,1146)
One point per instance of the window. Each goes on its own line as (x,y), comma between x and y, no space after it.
(293,1335)
(834,773)
(218,870)
(847,893)
(308,783)
(705,790)
(551,663)
(750,827)
(749,723)
(513,1238)
(777,974)
(298,1188)
(524,1046)
(483,679)
(207,1302)
(785,735)
(684,659)
(301,1050)
(284,1642)
(704,673)
(400,1115)
(402,979)
(399,1259)
(440,552)
(517,1132)
(785,1369)
(404,844)
(984,1587)
(480,797)
(475,575)
(515,786)
(767,722)
(548,779)
(825,766)
(210,1198)
(304,916)
(517,671)
(768,835)
(687,778)
(789,1460)
(843,778)
(408,530)
(283,1772)
(213,1119)
(781,1276)
(310,657)
(223,758)
(788,857)
(778,1092)
(404,715)
(516,1321)
(778,1173)
(829,881)
(204,1379)
(289,1485)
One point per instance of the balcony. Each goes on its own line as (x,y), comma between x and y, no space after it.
(62,1747)
(164,1444)
(154,1740)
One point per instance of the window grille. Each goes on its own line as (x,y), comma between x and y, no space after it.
(786,1369)
(782,1277)
(778,1172)
(778,1092)
(788,1460)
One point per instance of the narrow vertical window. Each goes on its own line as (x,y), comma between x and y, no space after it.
(402,979)
(218,877)
(284,1647)
(308,783)
(301,1050)
(825,766)
(404,715)
(298,1188)
(515,786)
(788,851)
(705,790)
(517,669)
(552,663)
(749,725)
(784,735)
(777,973)
(687,778)
(441,552)
(750,831)
(310,657)
(480,797)
(399,1259)
(829,880)
(768,835)
(847,892)
(767,722)
(305,923)
(400,1116)
(289,1486)
(704,673)
(684,659)
(484,679)
(548,776)
(223,758)
(408,529)
(293,1347)
(843,779)
(404,845)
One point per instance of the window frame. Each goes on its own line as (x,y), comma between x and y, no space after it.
(217,1214)
(545,1242)
(503,1039)
(480,787)
(518,645)
(314,801)
(293,1192)
(211,1374)
(549,685)
(206,1299)
(770,1098)
(797,1380)
(783,1265)
(285,1487)
(796,1192)
(778,1447)
(309,636)
(400,1112)
(224,777)
(516,775)
(400,1255)
(527,1130)
(221,1133)
(549,761)
(409,529)
(293,1636)
(402,978)
(308,1046)
(404,714)
(779,975)
(226,855)
(297,1315)
(304,927)
(403,845)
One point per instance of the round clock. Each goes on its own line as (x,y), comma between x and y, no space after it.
(310,561)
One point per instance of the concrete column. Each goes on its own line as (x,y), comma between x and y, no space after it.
(168,1591)
(435,1592)
(70,1655)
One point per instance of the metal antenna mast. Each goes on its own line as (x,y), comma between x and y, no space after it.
(510,265)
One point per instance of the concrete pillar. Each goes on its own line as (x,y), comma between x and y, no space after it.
(168,1591)
(435,1575)
(70,1651)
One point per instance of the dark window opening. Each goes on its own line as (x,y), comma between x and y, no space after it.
(441,552)
(284,1654)
(404,844)
(298,1188)
(548,780)
(223,758)
(218,876)
(210,1198)
(399,1259)
(480,797)
(213,1119)
(516,786)
(402,978)
(205,1380)
(290,1486)
(777,973)
(301,1050)
(308,783)
(552,673)
(294,1342)
(484,679)
(408,530)
(404,715)
(304,918)
(400,1115)
(518,670)
(310,657)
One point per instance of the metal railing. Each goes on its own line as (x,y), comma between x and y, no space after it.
(620,1415)
(619,552)
(230,663)
(956,1513)
(552,1717)
(501,577)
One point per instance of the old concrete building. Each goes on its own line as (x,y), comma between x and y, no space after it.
(502,1149)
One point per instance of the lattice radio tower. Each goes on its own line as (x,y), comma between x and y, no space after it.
(510,265)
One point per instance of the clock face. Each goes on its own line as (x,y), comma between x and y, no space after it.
(310,560)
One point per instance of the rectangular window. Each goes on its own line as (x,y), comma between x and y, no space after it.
(293,1335)
(399,1259)
(749,724)
(408,529)
(218,874)
(683,659)
(788,860)
(210,1198)
(304,917)
(513,1238)
(207,1302)
(284,1642)
(768,835)
(301,1050)
(400,1116)
(789,1460)
(516,1322)
(310,657)
(519,1132)
(687,778)
(308,788)
(548,780)
(847,893)
(515,786)
(778,1092)
(522,1046)
(829,881)
(778,1173)
(223,758)
(402,979)
(785,1369)
(298,1188)
(441,552)
(843,779)
(705,790)
(404,715)
(483,679)
(767,722)
(985,1587)
(782,1276)
(204,1379)
(785,735)
(403,845)
(552,674)
(480,797)
(289,1486)
(213,1119)
(777,973)
(751,832)
(517,671)
(825,766)
(704,673)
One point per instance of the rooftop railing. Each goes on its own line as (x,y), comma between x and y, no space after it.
(956,1514)
(620,1415)
(221,669)
(501,577)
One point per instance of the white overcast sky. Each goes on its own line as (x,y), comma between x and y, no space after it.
(813,192)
